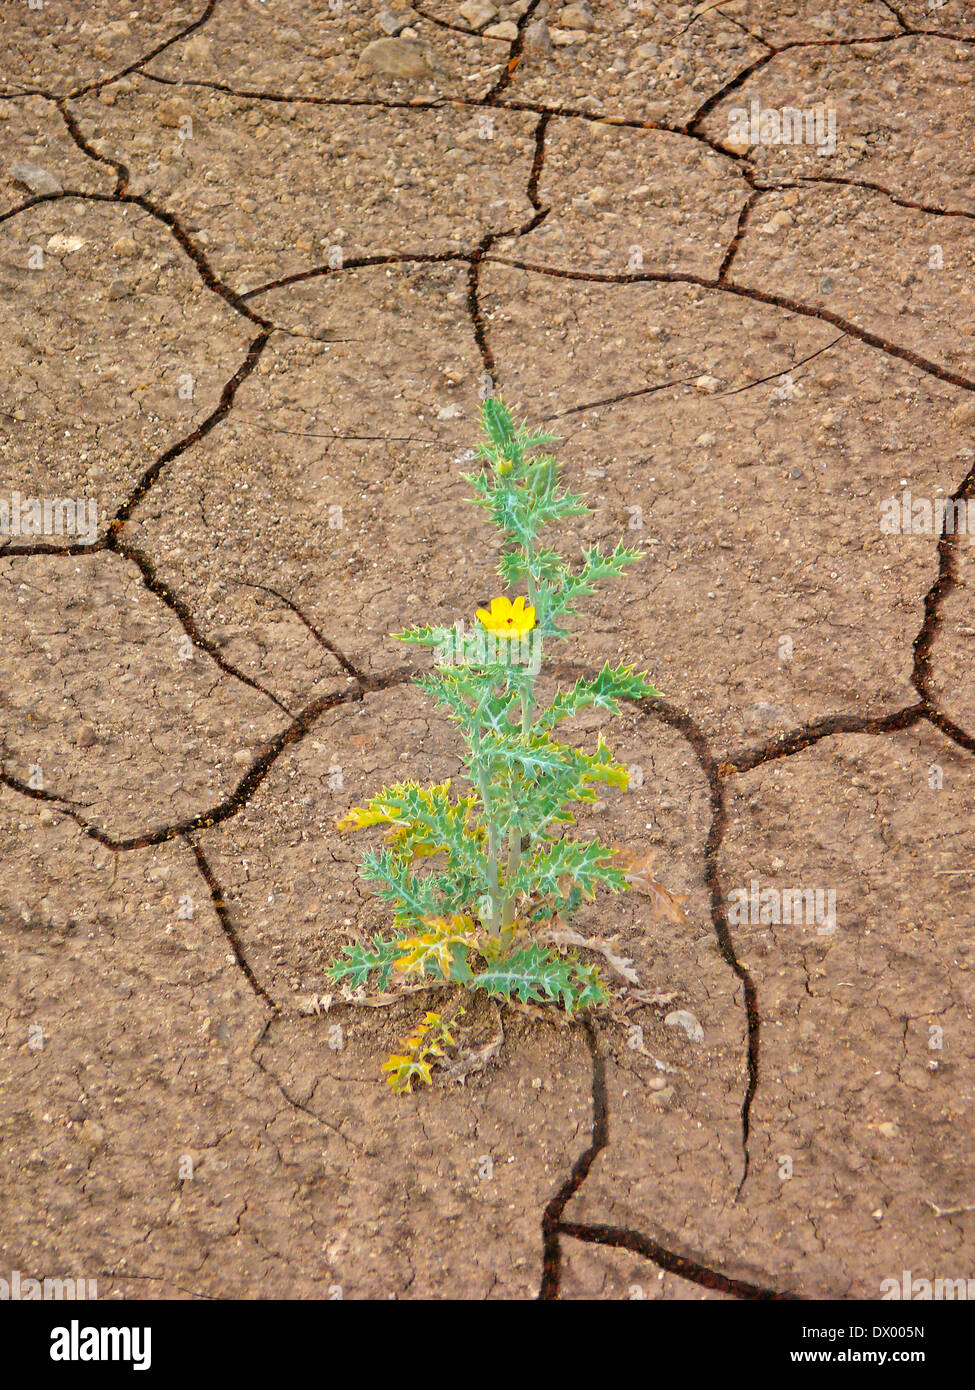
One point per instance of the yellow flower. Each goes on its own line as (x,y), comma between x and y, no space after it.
(506,618)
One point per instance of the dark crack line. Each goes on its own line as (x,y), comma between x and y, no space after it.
(357,263)
(552,1215)
(734,83)
(774,376)
(621,1239)
(680,720)
(949,728)
(206,272)
(221,411)
(246,787)
(458,99)
(514,55)
(109,541)
(148,57)
(158,586)
(63,803)
(98,83)
(226,923)
(554,1227)
(743,216)
(366,438)
(169,220)
(470,258)
(459,28)
(897,15)
(323,641)
(945,584)
(301,725)
(623,396)
(798,740)
(488,240)
(842,181)
(387,103)
(292,1100)
(538,163)
(114,542)
(728,19)
(74,130)
(779,301)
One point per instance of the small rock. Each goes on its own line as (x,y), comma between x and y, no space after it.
(61,245)
(598,197)
(199,49)
(684,1019)
(477,12)
(170,112)
(662,1097)
(505,30)
(400,57)
(964,414)
(409,33)
(393,22)
(705,440)
(125,247)
(537,38)
(888,1129)
(35,178)
(762,716)
(86,736)
(649,52)
(577,17)
(778,220)
(708,384)
(562,38)
(449,412)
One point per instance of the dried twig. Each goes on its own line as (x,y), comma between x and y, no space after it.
(565,936)
(948,1211)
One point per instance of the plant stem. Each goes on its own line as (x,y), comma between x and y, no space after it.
(492,864)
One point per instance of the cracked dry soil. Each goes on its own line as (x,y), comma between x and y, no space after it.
(254,288)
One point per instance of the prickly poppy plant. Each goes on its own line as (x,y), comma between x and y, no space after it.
(473,878)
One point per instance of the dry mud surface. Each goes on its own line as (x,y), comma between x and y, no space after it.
(257,277)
